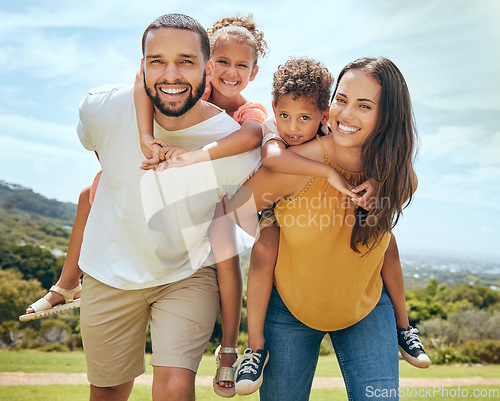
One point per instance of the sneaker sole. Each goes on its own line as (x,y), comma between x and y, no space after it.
(414,361)
(247,387)
(51,311)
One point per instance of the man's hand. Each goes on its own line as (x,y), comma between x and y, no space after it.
(156,149)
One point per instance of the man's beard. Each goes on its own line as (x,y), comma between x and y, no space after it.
(186,106)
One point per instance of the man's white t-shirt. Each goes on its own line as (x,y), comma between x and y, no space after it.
(147,228)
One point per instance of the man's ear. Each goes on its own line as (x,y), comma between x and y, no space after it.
(255,70)
(141,70)
(209,67)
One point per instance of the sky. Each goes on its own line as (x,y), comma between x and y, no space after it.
(52,52)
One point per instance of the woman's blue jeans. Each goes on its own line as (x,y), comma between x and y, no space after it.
(367,353)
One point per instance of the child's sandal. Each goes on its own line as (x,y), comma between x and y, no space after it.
(43,308)
(224,373)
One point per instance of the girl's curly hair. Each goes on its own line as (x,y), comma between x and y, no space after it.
(242,29)
(303,77)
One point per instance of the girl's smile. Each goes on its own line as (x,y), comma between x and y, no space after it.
(234,67)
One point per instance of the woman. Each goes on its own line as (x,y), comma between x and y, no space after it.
(327,276)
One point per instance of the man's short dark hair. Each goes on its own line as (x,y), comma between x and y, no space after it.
(180,21)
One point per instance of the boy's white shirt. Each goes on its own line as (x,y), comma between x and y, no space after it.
(147,228)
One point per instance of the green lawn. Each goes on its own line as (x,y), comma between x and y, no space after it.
(143,393)
(74,362)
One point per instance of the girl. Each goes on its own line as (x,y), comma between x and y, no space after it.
(235,48)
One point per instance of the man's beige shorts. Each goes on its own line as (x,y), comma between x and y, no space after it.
(114,324)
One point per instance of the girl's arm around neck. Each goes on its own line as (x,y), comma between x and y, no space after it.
(247,138)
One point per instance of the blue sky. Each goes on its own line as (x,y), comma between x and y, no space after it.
(52,51)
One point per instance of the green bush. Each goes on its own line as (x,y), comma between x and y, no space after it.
(484,351)
(30,338)
(326,346)
(10,334)
(448,355)
(16,294)
(463,326)
(54,347)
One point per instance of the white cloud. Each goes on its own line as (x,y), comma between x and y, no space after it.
(33,132)
(471,146)
(489,173)
(52,170)
(465,187)
(67,58)
(486,230)
(108,14)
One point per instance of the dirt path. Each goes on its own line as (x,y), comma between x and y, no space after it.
(38,379)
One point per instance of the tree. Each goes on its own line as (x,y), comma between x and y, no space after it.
(16,294)
(479,296)
(33,262)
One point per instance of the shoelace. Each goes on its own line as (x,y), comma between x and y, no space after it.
(412,337)
(249,362)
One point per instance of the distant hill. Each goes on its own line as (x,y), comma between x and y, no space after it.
(25,200)
(30,218)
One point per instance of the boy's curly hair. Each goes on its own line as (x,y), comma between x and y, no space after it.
(241,29)
(303,77)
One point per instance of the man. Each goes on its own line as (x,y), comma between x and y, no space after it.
(133,274)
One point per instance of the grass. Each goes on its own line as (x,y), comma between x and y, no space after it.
(143,393)
(74,362)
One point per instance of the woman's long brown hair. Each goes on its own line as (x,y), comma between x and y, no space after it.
(387,154)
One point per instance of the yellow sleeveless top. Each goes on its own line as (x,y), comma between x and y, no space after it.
(322,281)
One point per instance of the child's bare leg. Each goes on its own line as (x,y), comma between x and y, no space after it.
(222,234)
(230,290)
(392,274)
(260,283)
(70,274)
